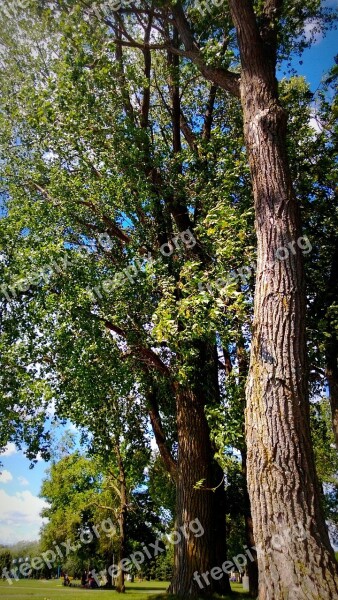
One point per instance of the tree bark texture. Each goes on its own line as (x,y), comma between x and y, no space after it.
(296,561)
(196,464)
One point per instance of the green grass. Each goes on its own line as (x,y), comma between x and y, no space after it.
(54,590)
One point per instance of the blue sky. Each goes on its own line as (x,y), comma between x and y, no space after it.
(317,60)
(20,505)
(19,501)
(19,486)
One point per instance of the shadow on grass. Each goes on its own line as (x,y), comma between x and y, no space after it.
(233,596)
(143,588)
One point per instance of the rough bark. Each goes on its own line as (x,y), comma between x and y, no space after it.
(295,557)
(196,464)
(192,554)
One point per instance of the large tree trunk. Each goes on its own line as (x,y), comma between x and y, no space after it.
(295,557)
(192,554)
(196,465)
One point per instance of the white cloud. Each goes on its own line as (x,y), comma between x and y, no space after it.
(9,450)
(315,124)
(313,31)
(50,412)
(20,516)
(23,480)
(5,477)
(73,428)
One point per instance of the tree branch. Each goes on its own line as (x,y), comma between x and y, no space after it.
(209,113)
(44,192)
(188,133)
(160,437)
(249,39)
(111,226)
(128,107)
(146,354)
(221,77)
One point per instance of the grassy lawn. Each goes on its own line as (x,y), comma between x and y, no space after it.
(54,590)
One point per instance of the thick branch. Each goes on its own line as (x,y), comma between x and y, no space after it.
(249,39)
(209,113)
(188,133)
(219,76)
(227,366)
(44,192)
(268,26)
(150,357)
(159,434)
(174,89)
(128,107)
(146,354)
(111,226)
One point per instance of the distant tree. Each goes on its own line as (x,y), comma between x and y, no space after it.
(6,559)
(69,490)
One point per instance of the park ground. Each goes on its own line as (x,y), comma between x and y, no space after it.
(54,590)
